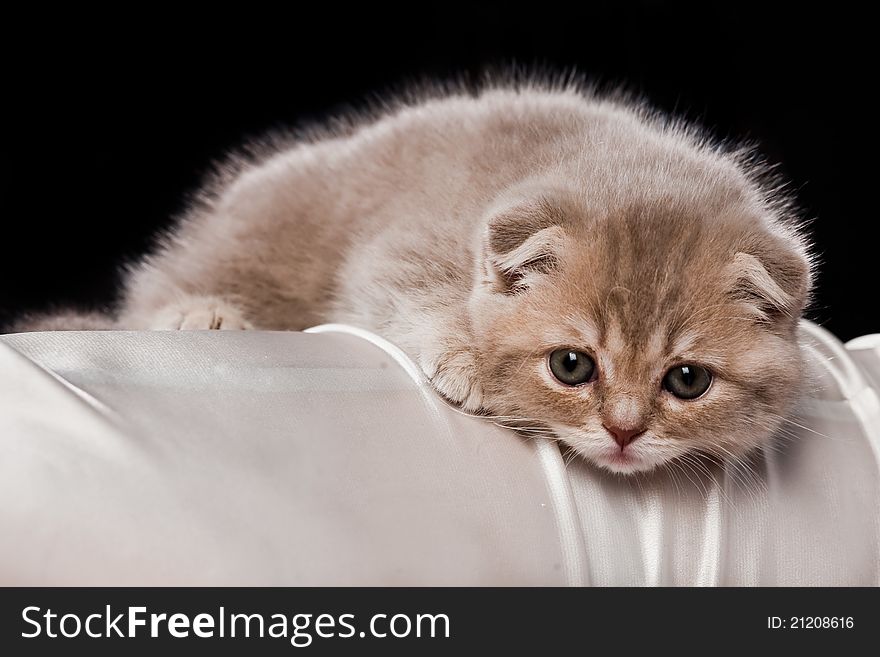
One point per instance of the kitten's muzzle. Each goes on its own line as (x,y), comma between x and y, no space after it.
(623,437)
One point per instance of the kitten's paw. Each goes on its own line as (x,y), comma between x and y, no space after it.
(455,377)
(200,314)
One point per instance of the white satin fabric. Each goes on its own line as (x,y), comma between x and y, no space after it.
(262,458)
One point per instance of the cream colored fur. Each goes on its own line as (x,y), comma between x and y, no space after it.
(480,232)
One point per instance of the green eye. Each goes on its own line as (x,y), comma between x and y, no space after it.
(687,381)
(572,367)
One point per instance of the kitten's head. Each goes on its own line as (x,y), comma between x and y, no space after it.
(643,331)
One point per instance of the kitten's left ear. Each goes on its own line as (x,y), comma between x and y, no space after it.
(522,242)
(772,279)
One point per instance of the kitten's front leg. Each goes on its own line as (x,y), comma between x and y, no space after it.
(191,313)
(454,374)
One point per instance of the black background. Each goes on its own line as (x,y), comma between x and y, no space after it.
(109,121)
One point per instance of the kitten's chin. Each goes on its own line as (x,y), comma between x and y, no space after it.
(642,455)
(631,460)
(622,462)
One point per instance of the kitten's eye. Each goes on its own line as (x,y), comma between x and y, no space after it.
(687,381)
(572,367)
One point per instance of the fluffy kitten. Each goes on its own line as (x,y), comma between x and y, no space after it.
(546,257)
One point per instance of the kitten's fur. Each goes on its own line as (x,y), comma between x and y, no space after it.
(481,231)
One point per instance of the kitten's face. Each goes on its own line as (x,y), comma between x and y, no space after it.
(646,336)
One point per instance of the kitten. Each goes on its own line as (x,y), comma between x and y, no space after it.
(547,257)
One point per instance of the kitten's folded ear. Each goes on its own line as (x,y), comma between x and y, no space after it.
(522,242)
(772,279)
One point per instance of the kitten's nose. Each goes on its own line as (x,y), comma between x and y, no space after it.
(623,437)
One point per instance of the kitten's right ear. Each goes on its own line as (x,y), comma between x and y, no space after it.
(522,242)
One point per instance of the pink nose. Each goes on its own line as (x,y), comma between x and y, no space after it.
(624,437)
